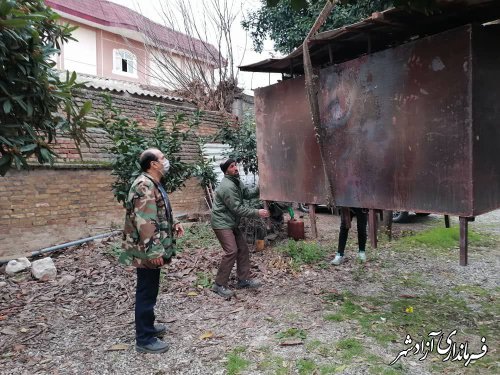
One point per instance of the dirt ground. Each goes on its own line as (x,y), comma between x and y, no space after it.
(306,319)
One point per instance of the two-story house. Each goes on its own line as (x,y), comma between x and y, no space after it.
(113,41)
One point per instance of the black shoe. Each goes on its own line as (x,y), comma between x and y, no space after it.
(156,346)
(160,329)
(250,283)
(222,291)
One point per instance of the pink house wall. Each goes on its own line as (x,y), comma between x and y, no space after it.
(106,42)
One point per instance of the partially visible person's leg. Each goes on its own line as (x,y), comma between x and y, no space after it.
(243,262)
(148,281)
(343,234)
(228,242)
(243,256)
(361,221)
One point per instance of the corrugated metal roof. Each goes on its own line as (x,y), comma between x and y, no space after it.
(382,30)
(124,86)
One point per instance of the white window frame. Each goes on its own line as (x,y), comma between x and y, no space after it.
(122,54)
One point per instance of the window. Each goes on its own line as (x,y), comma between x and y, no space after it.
(125,63)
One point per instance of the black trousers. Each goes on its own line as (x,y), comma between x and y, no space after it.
(361,221)
(148,283)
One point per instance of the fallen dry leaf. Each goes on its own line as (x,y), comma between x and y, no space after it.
(207,335)
(291,342)
(192,294)
(119,347)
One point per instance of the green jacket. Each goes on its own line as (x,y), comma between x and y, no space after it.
(228,205)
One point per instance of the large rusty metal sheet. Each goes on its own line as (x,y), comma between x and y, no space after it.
(486,119)
(397,126)
(290,166)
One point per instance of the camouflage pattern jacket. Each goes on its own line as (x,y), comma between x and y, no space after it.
(148,231)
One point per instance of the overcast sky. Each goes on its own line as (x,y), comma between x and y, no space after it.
(243,48)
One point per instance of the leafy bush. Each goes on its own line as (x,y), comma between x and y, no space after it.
(303,252)
(197,236)
(129,140)
(36,104)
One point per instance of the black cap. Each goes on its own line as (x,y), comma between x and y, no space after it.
(225,165)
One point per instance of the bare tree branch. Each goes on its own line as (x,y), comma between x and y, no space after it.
(185,60)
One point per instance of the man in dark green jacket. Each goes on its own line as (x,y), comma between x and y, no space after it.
(227,210)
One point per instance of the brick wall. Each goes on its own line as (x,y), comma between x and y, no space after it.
(48,206)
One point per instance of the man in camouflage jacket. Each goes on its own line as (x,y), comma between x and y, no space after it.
(227,210)
(148,242)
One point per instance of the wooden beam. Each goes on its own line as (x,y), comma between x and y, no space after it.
(372,227)
(447,221)
(463,240)
(312,217)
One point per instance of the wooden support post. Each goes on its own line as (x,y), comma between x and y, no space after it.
(387,224)
(463,240)
(447,221)
(312,217)
(372,227)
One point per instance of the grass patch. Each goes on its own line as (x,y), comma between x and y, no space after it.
(203,280)
(390,319)
(197,236)
(350,348)
(306,366)
(335,317)
(396,369)
(292,333)
(444,238)
(275,365)
(303,252)
(235,363)
(114,249)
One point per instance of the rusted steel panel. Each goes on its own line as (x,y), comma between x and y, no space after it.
(398,126)
(290,167)
(412,128)
(486,116)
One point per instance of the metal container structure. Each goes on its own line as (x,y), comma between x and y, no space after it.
(413,128)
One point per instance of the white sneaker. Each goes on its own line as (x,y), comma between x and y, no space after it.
(362,256)
(337,260)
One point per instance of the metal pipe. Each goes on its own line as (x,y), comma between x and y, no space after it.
(64,245)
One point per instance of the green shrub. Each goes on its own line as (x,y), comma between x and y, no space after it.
(129,140)
(303,252)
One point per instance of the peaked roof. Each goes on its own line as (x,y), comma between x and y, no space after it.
(106,13)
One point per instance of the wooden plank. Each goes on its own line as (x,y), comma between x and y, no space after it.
(463,240)
(312,217)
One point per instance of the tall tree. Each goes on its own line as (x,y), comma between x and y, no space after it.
(200,63)
(287,23)
(35,103)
